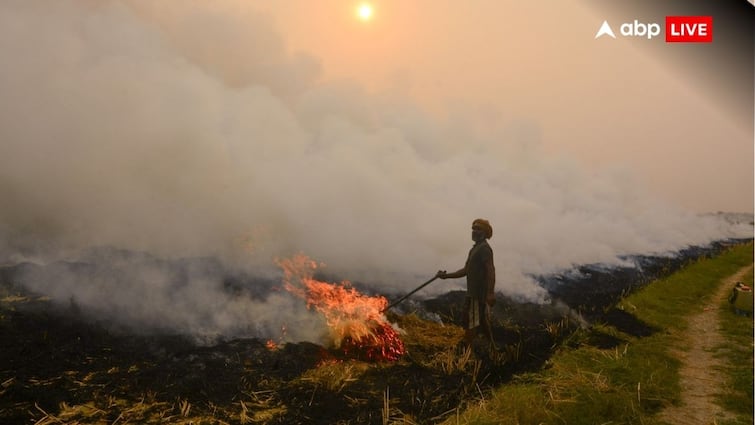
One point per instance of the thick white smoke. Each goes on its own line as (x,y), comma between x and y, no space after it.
(186,128)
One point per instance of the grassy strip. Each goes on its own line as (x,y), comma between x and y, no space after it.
(738,355)
(629,383)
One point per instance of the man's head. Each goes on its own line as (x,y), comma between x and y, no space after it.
(481,230)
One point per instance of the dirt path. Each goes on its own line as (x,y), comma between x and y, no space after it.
(700,374)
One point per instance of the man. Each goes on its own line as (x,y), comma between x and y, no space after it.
(480,273)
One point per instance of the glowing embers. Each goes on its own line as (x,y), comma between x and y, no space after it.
(355,321)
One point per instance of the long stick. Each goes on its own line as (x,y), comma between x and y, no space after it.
(393,304)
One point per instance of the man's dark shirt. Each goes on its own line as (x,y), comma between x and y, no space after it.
(480,271)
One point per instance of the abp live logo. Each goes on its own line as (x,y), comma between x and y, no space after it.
(679,29)
(689,29)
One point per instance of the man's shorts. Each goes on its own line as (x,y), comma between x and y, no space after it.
(475,313)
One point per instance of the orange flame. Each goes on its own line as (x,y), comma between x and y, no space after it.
(272,345)
(355,320)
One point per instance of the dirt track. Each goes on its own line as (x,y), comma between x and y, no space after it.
(701,376)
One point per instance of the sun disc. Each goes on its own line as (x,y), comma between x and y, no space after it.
(364,11)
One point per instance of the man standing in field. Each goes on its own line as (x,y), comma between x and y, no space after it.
(480,273)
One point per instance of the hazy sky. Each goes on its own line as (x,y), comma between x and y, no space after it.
(607,103)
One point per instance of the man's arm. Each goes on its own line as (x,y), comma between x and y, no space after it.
(458,273)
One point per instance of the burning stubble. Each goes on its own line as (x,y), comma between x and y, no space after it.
(356,323)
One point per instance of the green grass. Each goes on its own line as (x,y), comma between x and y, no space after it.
(628,384)
(666,300)
(738,356)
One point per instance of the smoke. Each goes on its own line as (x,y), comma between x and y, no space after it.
(186,128)
(195,297)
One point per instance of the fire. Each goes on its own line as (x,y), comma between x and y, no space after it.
(272,345)
(356,322)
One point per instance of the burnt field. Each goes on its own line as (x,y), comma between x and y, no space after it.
(62,363)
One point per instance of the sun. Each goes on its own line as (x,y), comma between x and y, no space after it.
(365,11)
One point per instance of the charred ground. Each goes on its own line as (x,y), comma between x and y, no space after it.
(60,364)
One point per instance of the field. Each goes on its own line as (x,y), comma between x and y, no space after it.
(60,364)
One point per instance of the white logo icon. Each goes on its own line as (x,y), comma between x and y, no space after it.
(605,29)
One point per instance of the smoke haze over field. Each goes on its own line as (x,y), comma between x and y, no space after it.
(188,128)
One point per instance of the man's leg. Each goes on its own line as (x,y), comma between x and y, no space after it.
(471,320)
(469,336)
(485,324)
